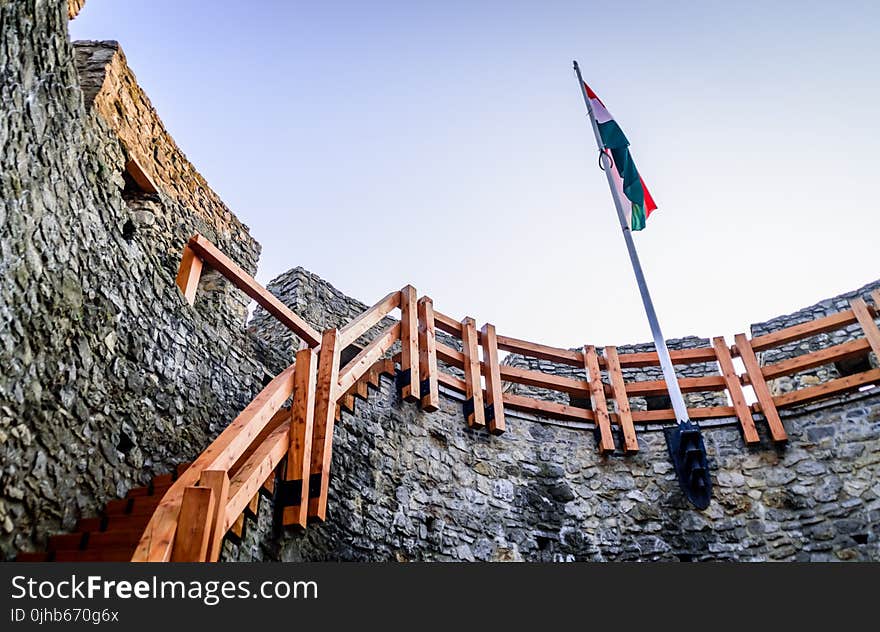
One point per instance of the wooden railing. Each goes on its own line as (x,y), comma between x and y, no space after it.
(268,445)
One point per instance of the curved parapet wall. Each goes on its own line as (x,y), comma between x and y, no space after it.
(410,485)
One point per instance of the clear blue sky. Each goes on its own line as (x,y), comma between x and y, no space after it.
(445,145)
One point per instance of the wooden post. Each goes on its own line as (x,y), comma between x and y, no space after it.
(189,273)
(325,408)
(409,341)
(428,354)
(762,392)
(301,427)
(597,398)
(218,482)
(621,400)
(866,320)
(737,397)
(494,393)
(473,384)
(193,525)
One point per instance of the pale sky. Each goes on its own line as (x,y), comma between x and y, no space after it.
(446,145)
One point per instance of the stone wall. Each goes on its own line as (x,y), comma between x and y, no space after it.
(408,485)
(109,377)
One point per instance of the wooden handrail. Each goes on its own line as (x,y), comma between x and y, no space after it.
(209,253)
(361,363)
(368,319)
(157,542)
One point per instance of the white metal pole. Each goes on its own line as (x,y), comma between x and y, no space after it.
(675,395)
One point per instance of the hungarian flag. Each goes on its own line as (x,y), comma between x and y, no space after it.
(629,183)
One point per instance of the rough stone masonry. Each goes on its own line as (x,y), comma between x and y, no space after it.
(109,377)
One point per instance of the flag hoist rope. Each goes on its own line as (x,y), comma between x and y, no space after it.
(675,396)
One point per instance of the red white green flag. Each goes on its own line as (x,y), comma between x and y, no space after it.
(629,183)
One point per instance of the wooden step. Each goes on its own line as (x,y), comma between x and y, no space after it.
(113,523)
(132,506)
(152,490)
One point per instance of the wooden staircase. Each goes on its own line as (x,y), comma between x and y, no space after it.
(113,535)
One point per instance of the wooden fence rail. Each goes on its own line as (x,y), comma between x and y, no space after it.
(290,450)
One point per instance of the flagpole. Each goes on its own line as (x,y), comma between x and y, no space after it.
(675,395)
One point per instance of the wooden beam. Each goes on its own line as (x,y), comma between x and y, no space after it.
(544,408)
(430,400)
(452,357)
(494,393)
(409,342)
(247,481)
(848,349)
(140,177)
(246,283)
(218,482)
(621,400)
(301,429)
(866,322)
(685,384)
(368,319)
(668,414)
(756,378)
(325,400)
(561,383)
(472,373)
(803,330)
(193,529)
(451,382)
(597,398)
(368,356)
(189,273)
(828,389)
(678,356)
(543,352)
(447,324)
(737,397)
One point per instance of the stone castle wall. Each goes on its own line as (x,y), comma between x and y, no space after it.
(109,377)
(408,485)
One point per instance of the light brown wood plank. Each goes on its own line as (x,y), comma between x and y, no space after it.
(866,322)
(803,330)
(543,352)
(452,357)
(447,324)
(368,319)
(218,482)
(189,273)
(193,531)
(658,416)
(246,283)
(248,480)
(827,389)
(430,400)
(452,382)
(762,392)
(597,398)
(621,400)
(494,392)
(686,384)
(542,408)
(325,400)
(368,356)
(848,349)
(472,373)
(409,343)
(737,397)
(678,356)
